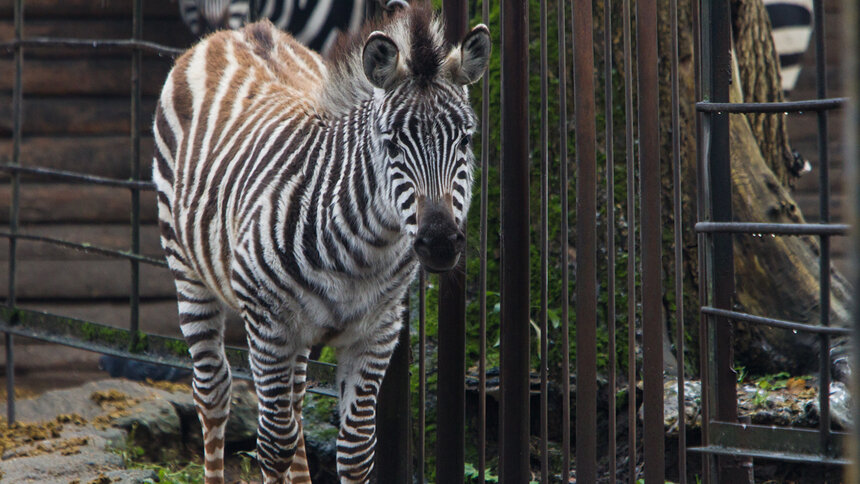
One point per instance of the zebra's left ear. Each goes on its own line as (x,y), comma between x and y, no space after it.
(474,56)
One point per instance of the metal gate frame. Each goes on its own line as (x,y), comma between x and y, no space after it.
(729,445)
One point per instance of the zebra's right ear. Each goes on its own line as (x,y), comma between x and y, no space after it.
(381,57)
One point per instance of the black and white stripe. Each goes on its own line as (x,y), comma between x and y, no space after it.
(792,24)
(314,23)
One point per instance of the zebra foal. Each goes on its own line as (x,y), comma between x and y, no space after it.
(303,193)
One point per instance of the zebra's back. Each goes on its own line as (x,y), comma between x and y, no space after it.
(228,98)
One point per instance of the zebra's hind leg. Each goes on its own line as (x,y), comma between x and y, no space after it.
(202,324)
(277,367)
(361,367)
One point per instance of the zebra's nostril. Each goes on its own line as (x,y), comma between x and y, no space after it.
(458,239)
(422,246)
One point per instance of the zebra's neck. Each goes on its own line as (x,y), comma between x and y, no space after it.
(339,217)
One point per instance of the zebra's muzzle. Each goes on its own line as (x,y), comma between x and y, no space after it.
(439,240)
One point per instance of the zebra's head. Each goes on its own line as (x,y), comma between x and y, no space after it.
(424,128)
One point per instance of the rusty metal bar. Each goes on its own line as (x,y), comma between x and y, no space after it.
(134,297)
(702,210)
(150,348)
(772,442)
(543,431)
(817,105)
(563,244)
(514,351)
(754,228)
(17,108)
(586,244)
(84,247)
(851,78)
(776,323)
(77,177)
(422,371)
(678,241)
(630,153)
(451,391)
(824,217)
(393,418)
(133,45)
(719,69)
(482,250)
(652,287)
(610,234)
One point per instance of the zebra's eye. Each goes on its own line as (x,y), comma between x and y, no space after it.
(392,148)
(465,141)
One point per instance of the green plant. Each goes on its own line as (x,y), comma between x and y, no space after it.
(472,474)
(247,464)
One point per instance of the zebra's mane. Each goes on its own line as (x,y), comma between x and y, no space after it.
(419,35)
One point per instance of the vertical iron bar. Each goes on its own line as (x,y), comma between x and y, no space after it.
(652,294)
(514,351)
(610,231)
(485,173)
(722,253)
(422,371)
(586,244)
(851,77)
(544,248)
(451,391)
(137,28)
(824,217)
(679,273)
(565,273)
(631,240)
(701,213)
(393,422)
(17,107)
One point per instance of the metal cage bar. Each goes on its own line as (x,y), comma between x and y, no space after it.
(514,351)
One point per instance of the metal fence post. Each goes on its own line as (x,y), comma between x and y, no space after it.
(393,416)
(514,350)
(134,303)
(586,243)
(651,227)
(17,101)
(719,72)
(451,391)
(851,76)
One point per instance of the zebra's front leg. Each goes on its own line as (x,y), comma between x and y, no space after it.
(361,368)
(274,365)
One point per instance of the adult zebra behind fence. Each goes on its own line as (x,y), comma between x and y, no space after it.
(315,24)
(792,27)
(303,194)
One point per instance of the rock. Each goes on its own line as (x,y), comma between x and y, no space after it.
(241,426)
(793,404)
(155,427)
(841,405)
(692,405)
(140,371)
